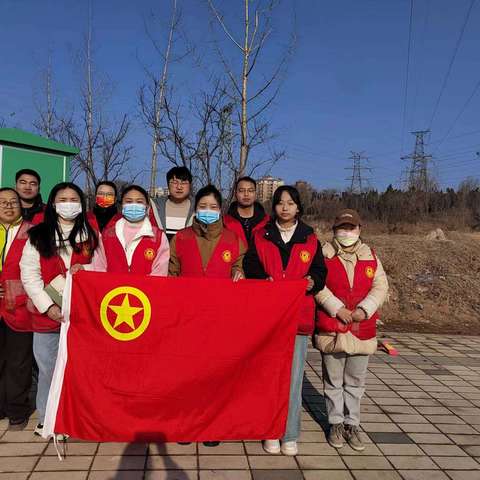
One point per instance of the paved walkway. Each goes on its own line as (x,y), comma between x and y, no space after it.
(421,418)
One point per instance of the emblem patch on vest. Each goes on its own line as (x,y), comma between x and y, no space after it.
(369,272)
(149,254)
(305,256)
(227,256)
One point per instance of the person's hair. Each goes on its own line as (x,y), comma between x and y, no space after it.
(9,189)
(245,179)
(208,190)
(109,184)
(138,188)
(182,173)
(27,171)
(44,235)
(293,192)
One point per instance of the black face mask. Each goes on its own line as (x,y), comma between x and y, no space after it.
(104,214)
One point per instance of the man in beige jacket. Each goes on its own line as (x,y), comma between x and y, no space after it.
(355,289)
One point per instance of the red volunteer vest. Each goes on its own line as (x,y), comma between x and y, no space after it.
(51,268)
(337,282)
(301,257)
(13,307)
(235,226)
(143,256)
(220,264)
(38,217)
(92,220)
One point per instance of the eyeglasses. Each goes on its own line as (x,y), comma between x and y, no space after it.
(246,190)
(178,183)
(108,195)
(11,204)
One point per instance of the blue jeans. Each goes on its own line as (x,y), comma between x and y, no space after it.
(45,349)
(295,402)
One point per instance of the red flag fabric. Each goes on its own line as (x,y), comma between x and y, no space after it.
(174,359)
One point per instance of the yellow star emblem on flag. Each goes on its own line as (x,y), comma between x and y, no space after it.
(124,304)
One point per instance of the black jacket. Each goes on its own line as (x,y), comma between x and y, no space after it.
(30,212)
(253,267)
(248,224)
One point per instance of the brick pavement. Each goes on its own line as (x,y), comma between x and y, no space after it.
(421,420)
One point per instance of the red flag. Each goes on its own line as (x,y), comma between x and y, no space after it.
(174,359)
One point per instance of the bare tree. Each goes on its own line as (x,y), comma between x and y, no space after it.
(50,121)
(205,148)
(252,99)
(151,94)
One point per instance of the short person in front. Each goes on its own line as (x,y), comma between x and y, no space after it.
(15,334)
(131,244)
(207,248)
(286,248)
(64,238)
(355,289)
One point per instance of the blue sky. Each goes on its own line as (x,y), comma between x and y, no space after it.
(344,89)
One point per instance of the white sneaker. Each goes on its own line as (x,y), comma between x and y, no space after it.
(271,446)
(290,448)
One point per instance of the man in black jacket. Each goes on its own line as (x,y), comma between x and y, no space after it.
(245,216)
(27,184)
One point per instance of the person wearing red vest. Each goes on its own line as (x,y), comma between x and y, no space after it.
(105,211)
(245,216)
(64,238)
(355,289)
(207,249)
(286,248)
(27,185)
(131,244)
(15,337)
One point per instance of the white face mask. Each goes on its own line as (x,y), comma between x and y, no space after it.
(68,210)
(347,238)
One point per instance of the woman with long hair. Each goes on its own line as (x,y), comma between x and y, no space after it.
(130,243)
(288,249)
(64,238)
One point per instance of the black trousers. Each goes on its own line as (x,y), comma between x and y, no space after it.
(15,372)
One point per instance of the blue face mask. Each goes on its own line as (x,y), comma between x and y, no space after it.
(134,212)
(207,216)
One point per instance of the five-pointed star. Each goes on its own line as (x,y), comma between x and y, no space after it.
(125,313)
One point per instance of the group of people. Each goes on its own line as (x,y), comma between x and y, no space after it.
(129,232)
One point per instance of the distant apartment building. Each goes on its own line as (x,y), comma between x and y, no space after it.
(160,192)
(266,187)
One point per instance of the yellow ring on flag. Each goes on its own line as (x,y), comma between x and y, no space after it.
(146,307)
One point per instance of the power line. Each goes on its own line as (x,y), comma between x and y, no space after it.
(422,50)
(452,61)
(405,100)
(460,113)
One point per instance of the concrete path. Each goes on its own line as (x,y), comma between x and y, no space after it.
(420,416)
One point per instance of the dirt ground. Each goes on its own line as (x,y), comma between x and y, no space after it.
(434,284)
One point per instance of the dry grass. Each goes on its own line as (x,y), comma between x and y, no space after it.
(434,285)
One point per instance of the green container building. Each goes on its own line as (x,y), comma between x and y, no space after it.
(20,149)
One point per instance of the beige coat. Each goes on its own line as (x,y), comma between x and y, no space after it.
(370,304)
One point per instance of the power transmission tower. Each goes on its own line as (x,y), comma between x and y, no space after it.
(418,177)
(358,182)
